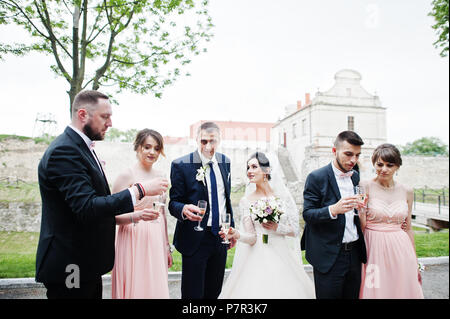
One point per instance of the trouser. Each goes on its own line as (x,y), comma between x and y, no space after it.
(343,280)
(203,272)
(87,290)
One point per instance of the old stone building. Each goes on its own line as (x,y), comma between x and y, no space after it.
(306,134)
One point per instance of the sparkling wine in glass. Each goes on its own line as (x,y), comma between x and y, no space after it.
(362,196)
(159,205)
(202,204)
(226,223)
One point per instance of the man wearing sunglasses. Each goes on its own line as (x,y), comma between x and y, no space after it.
(201,175)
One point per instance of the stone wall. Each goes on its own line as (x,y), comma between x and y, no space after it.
(20,159)
(416,171)
(18,216)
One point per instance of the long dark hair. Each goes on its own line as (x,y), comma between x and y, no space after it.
(263,162)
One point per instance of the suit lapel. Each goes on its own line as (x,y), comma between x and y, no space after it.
(197,163)
(355,178)
(333,183)
(85,150)
(223,172)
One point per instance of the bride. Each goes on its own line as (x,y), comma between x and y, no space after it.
(273,269)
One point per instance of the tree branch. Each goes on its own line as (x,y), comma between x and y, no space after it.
(53,41)
(46,21)
(26,17)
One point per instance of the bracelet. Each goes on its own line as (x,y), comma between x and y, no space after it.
(132,221)
(140,190)
(143,189)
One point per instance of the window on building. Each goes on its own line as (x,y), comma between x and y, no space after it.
(303,127)
(349,91)
(351,123)
(294,130)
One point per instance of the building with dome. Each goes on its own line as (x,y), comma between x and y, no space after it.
(306,133)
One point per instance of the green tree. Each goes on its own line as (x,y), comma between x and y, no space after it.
(129,135)
(113,134)
(116,135)
(426,146)
(440,14)
(129,45)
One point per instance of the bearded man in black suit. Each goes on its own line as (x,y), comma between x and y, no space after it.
(76,243)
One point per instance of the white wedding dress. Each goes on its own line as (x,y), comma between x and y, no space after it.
(268,271)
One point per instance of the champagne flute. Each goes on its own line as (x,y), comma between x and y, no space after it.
(202,204)
(226,223)
(159,205)
(362,196)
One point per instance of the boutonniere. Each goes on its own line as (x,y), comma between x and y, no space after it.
(201,172)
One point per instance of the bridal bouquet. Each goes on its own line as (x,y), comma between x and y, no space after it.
(267,210)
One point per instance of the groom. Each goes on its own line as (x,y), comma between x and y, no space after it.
(201,175)
(332,237)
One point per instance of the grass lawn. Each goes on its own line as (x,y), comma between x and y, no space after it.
(18,254)
(18,250)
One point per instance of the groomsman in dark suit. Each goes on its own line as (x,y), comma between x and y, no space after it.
(201,175)
(332,238)
(76,242)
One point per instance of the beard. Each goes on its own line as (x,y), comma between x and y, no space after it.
(91,133)
(340,165)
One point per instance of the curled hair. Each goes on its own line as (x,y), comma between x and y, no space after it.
(388,153)
(142,135)
(263,162)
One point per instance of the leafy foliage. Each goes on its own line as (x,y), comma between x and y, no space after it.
(440,14)
(116,135)
(426,146)
(139,45)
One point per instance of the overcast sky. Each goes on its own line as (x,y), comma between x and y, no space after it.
(264,56)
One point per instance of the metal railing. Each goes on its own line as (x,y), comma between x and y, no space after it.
(428,196)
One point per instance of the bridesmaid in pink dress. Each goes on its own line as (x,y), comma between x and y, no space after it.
(143,253)
(391,270)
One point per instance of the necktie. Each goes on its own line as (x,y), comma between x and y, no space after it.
(214,201)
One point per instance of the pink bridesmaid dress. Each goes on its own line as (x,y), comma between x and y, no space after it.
(141,265)
(391,268)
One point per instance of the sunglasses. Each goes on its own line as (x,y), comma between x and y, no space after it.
(212,142)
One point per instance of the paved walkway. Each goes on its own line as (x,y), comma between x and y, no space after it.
(435,283)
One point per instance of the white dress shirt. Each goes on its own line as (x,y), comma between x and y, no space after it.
(88,142)
(345,185)
(220,186)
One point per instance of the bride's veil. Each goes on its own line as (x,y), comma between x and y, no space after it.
(290,216)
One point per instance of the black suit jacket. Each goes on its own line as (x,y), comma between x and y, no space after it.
(78,212)
(186,189)
(322,236)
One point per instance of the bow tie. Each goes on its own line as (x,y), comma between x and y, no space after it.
(344,175)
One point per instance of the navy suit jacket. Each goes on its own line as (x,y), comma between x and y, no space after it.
(186,189)
(322,236)
(78,212)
